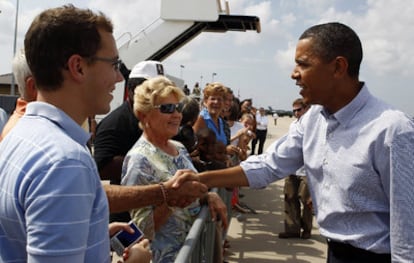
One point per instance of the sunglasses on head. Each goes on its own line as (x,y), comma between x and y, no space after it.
(170,107)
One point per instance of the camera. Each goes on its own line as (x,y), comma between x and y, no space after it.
(124,239)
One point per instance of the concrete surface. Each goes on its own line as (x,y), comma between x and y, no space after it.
(254,239)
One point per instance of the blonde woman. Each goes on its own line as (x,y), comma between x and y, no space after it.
(154,159)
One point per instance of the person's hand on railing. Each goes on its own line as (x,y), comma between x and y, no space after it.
(218,209)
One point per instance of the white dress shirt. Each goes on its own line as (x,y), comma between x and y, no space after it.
(261,122)
(360,167)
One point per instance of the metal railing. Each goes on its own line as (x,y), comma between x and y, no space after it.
(204,240)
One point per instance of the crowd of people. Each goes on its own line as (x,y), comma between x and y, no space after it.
(347,158)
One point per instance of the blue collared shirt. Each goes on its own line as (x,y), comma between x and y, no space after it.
(52,204)
(359,163)
(220,134)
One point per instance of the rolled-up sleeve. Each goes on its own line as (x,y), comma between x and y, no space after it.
(282,158)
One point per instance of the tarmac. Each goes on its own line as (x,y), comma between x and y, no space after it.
(253,238)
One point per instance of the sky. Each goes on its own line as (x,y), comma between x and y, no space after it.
(258,65)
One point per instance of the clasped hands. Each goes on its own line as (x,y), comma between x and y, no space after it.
(185,187)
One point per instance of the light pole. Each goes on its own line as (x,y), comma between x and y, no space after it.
(12,91)
(201,80)
(181,71)
(212,76)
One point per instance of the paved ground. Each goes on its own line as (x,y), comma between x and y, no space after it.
(254,239)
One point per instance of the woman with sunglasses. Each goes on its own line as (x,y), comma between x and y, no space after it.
(154,159)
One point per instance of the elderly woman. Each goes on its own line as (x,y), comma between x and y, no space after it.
(213,102)
(209,127)
(154,159)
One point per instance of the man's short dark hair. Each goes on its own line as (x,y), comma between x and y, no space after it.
(335,39)
(58,33)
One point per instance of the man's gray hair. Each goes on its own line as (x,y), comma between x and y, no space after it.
(21,71)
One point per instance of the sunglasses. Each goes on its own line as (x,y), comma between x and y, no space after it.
(298,109)
(170,108)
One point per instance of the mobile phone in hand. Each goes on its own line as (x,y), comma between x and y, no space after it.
(124,239)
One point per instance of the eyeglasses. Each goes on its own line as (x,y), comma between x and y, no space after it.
(170,107)
(115,62)
(297,110)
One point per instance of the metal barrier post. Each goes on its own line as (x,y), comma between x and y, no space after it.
(199,245)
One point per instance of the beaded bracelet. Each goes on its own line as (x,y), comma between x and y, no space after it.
(164,193)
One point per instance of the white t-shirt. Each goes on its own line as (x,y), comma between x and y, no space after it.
(234,129)
(261,122)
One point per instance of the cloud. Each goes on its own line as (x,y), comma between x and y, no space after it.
(387,40)
(314,6)
(128,15)
(263,11)
(284,58)
(7,16)
(382,28)
(27,11)
(289,20)
(383,32)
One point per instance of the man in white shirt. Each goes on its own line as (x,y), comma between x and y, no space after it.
(261,131)
(357,152)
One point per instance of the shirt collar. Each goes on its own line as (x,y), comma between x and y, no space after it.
(347,113)
(205,114)
(60,118)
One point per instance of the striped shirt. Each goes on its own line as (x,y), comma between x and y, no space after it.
(359,163)
(52,204)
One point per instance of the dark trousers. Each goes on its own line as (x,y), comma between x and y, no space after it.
(261,138)
(345,253)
